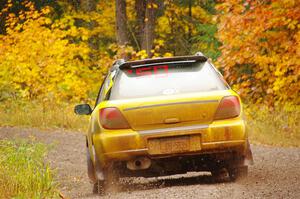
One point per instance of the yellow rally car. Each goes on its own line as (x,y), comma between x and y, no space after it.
(165,116)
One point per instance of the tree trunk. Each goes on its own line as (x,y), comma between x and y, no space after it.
(149,27)
(190,22)
(140,7)
(121,22)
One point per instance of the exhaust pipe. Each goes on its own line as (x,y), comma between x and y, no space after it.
(139,163)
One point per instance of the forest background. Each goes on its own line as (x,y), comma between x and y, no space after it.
(55,53)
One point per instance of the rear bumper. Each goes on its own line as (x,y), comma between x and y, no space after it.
(181,164)
(220,136)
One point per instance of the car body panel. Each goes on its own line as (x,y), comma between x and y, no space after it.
(125,144)
(184,119)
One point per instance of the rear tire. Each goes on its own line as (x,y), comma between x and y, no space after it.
(238,173)
(238,169)
(102,179)
(99,187)
(110,182)
(219,174)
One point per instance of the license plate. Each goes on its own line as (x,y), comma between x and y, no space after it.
(178,144)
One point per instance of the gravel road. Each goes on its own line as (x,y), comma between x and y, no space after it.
(275,174)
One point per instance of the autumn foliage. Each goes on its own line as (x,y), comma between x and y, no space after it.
(39,61)
(60,52)
(261,49)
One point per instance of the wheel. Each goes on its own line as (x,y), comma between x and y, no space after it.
(99,187)
(238,172)
(219,174)
(102,179)
(109,183)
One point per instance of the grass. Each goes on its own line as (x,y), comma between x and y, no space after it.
(23,173)
(41,115)
(278,126)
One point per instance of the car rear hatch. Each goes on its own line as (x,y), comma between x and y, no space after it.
(167,94)
(170,111)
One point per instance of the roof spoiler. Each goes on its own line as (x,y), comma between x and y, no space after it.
(197,57)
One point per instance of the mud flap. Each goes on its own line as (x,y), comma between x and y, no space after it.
(248,155)
(93,169)
(98,166)
(90,167)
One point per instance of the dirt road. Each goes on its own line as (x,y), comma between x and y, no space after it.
(276,173)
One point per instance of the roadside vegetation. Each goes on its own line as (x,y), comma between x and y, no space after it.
(41,115)
(54,54)
(23,173)
(276,126)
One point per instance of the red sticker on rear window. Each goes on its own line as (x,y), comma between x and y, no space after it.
(146,71)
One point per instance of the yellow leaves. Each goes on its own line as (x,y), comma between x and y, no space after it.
(293,24)
(278,84)
(73,31)
(200,14)
(142,54)
(259,75)
(9,4)
(263,42)
(289,3)
(38,61)
(152,5)
(48,21)
(11,15)
(278,73)
(163,26)
(46,10)
(168,55)
(35,15)
(159,42)
(104,18)
(84,38)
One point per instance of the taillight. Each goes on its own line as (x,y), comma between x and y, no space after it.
(112,118)
(229,107)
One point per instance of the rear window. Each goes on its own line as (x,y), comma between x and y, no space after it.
(166,79)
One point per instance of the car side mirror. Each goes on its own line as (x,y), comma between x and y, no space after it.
(83,109)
